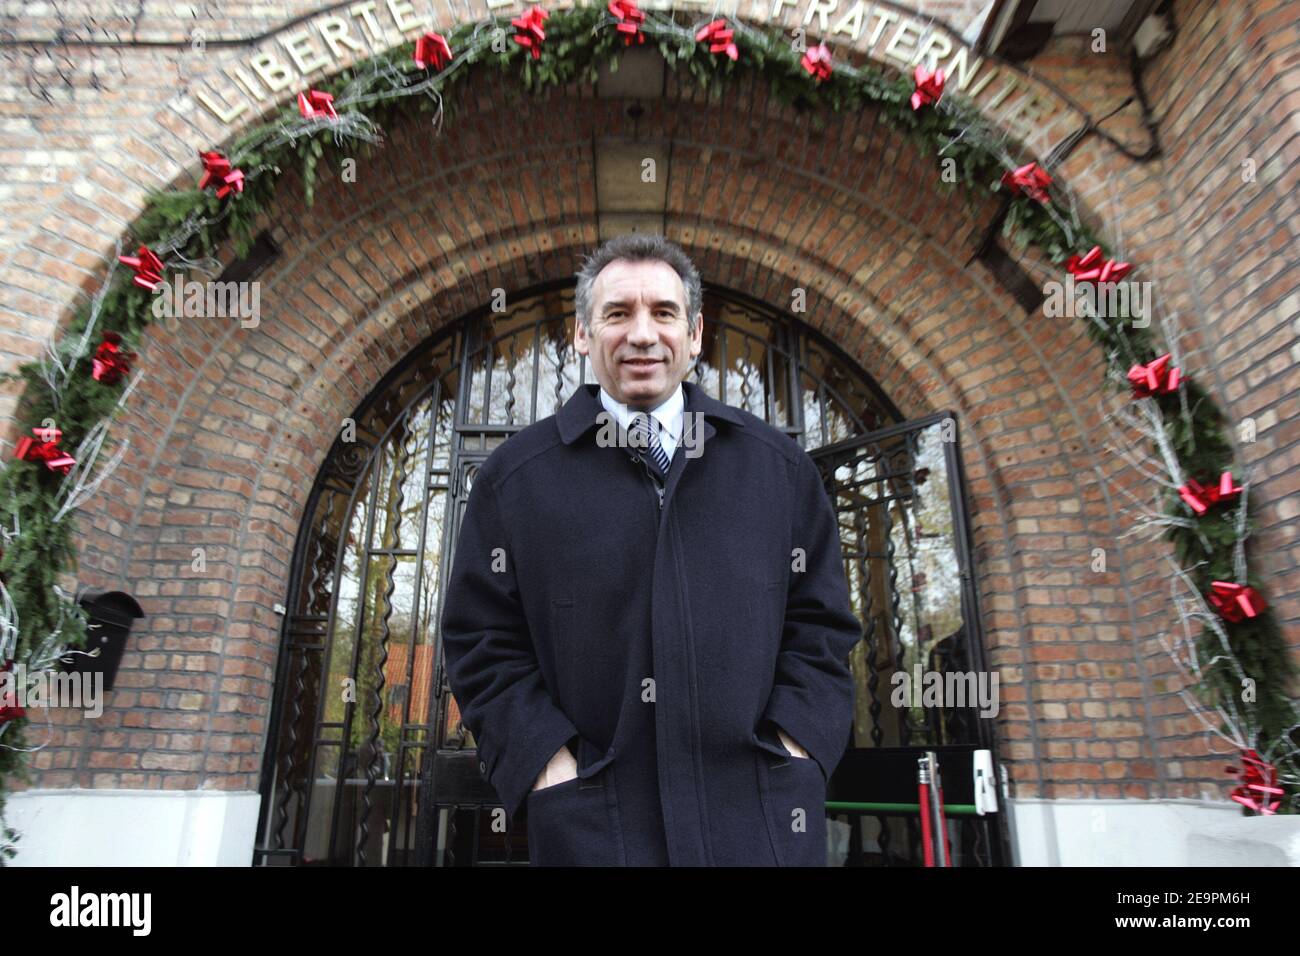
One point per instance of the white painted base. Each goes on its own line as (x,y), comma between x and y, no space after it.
(217,828)
(133,827)
(1150,833)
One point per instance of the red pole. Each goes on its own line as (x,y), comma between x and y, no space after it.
(923,798)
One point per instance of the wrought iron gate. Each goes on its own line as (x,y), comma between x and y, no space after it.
(900,497)
(367,763)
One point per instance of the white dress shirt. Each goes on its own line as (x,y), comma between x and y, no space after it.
(669,413)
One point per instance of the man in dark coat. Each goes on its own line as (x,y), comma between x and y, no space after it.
(647,622)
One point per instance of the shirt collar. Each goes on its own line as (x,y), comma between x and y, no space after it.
(578,413)
(669,411)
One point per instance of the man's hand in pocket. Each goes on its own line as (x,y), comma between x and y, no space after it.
(560,768)
(790,745)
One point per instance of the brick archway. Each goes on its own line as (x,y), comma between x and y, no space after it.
(231,424)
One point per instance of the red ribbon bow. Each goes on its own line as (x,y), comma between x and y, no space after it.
(9,709)
(1093,267)
(817,61)
(432,52)
(1154,378)
(315,103)
(1235,602)
(1257,786)
(929,86)
(1030,179)
(529,33)
(45,447)
(217,170)
(1199,497)
(720,38)
(110,362)
(148,268)
(630,20)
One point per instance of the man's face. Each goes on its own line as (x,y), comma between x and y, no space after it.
(639,346)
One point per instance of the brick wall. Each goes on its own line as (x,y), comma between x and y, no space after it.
(1218,250)
(229,426)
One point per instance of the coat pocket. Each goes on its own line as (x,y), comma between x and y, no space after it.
(793,793)
(576,823)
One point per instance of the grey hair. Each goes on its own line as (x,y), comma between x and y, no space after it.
(638,247)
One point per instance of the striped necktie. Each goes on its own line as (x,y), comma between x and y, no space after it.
(644,431)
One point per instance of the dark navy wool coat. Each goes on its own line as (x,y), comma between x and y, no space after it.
(664,642)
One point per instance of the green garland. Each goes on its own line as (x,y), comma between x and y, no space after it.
(577,41)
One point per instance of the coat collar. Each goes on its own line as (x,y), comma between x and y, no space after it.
(579,413)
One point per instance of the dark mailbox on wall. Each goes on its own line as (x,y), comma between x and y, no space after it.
(110,615)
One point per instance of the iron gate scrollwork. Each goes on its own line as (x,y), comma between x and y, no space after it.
(923,681)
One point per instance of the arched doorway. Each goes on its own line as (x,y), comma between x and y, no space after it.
(367,762)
